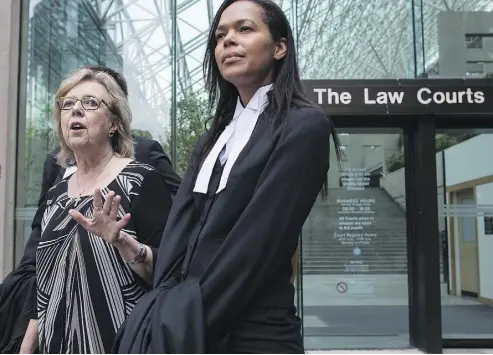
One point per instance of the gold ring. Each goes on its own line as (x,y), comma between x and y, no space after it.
(98,208)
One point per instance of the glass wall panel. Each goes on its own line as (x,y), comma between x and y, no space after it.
(355,288)
(465,186)
(362,39)
(355,249)
(193,21)
(131,37)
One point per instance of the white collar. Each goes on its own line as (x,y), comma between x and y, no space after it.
(69,171)
(257,102)
(236,135)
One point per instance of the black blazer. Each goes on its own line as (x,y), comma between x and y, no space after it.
(227,273)
(16,291)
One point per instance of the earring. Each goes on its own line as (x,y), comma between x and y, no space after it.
(111,134)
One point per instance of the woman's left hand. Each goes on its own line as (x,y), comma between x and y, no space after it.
(103,222)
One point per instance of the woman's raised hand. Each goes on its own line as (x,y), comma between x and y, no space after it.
(103,222)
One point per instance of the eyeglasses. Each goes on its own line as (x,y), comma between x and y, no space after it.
(89,103)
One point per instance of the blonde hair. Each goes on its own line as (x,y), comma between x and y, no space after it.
(122,142)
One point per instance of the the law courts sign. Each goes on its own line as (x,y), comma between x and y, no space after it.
(406,96)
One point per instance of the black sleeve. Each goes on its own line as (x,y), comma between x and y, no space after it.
(142,332)
(266,235)
(180,221)
(150,210)
(50,172)
(159,160)
(18,289)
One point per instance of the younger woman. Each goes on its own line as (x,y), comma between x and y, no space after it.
(222,282)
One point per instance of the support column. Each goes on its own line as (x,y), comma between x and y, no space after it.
(10,18)
(425,318)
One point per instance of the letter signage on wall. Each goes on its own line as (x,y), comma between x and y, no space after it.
(407,96)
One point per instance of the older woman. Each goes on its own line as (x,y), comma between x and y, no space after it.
(101,225)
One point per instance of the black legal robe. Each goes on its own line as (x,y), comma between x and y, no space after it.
(224,271)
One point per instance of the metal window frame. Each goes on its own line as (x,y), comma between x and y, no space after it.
(11,10)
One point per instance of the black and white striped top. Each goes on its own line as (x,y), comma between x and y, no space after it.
(84,288)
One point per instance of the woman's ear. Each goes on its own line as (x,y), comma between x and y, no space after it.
(281,49)
(114,125)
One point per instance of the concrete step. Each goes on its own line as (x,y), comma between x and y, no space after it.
(386,231)
(375,263)
(372,272)
(380,216)
(379,206)
(333,227)
(314,271)
(345,258)
(342,260)
(386,252)
(348,249)
(379,212)
(363,269)
(373,240)
(371,264)
(345,247)
(328,234)
(338,258)
(337,240)
(331,233)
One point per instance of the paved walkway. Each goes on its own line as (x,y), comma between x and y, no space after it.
(404,351)
(364,290)
(371,312)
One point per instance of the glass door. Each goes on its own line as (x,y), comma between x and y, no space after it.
(354,249)
(465,193)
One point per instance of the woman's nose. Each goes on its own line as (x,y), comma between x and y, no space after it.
(77,105)
(77,109)
(229,39)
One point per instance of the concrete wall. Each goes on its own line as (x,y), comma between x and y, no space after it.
(464,162)
(395,185)
(10,15)
(453,53)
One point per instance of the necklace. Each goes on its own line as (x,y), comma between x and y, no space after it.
(82,191)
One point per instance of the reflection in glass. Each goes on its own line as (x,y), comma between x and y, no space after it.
(64,35)
(363,39)
(355,253)
(465,190)
(454,38)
